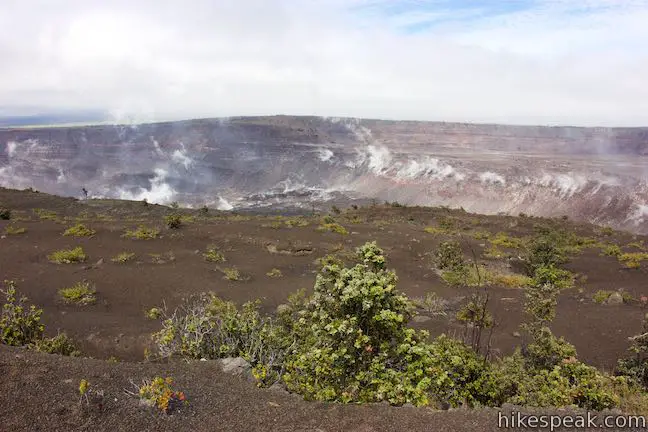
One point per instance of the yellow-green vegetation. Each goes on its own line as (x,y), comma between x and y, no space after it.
(607,231)
(153,313)
(296,222)
(637,245)
(350,342)
(493,252)
(157,258)
(14,230)
(435,230)
(46,214)
(123,257)
(187,219)
(508,280)
(79,230)
(333,227)
(82,293)
(173,221)
(502,239)
(142,233)
(19,322)
(432,304)
(481,235)
(611,250)
(274,273)
(273,225)
(212,254)
(68,256)
(445,225)
(480,276)
(158,393)
(231,273)
(633,260)
(60,344)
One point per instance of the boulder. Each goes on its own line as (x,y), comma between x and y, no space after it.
(614,299)
(236,366)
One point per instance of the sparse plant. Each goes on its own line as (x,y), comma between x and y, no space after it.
(633,260)
(231,274)
(14,230)
(123,257)
(432,304)
(19,323)
(333,227)
(81,293)
(449,256)
(79,230)
(212,254)
(142,233)
(46,214)
(601,296)
(336,210)
(612,250)
(68,256)
(158,393)
(164,258)
(153,313)
(274,273)
(504,240)
(5,213)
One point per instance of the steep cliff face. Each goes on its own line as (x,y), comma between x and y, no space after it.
(595,174)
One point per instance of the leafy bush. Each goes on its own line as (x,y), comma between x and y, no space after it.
(601,296)
(123,257)
(550,274)
(504,240)
(635,367)
(68,256)
(333,227)
(142,233)
(60,344)
(173,221)
(213,255)
(19,324)
(81,293)
(449,256)
(13,230)
(231,273)
(612,250)
(79,230)
(5,213)
(633,260)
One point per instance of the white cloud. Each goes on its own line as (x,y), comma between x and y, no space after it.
(551,63)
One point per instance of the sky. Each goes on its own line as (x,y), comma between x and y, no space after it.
(554,62)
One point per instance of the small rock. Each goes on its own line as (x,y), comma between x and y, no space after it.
(273,404)
(516,334)
(3,237)
(421,319)
(99,263)
(68,381)
(614,299)
(508,299)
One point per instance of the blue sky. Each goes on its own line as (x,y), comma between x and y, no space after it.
(528,61)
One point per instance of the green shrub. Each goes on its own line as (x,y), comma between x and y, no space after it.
(173,221)
(13,230)
(5,213)
(19,324)
(46,214)
(213,255)
(60,344)
(142,233)
(635,367)
(612,250)
(231,273)
(633,260)
(333,227)
(449,256)
(607,231)
(562,279)
(81,293)
(123,257)
(504,240)
(274,273)
(158,393)
(601,296)
(79,230)
(68,256)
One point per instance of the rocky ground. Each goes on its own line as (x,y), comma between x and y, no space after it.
(40,392)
